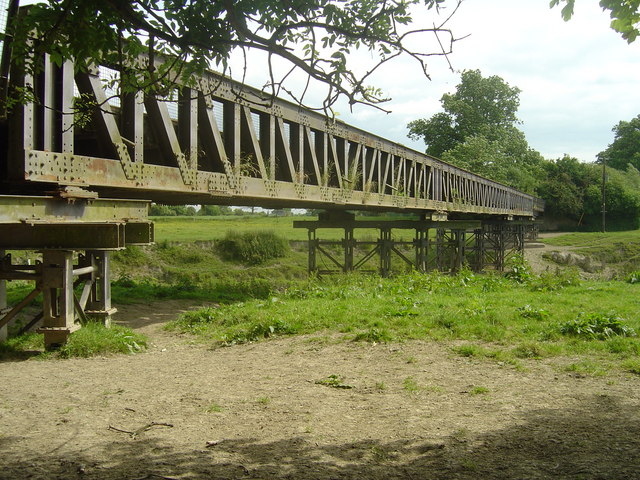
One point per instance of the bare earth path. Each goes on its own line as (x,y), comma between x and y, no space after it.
(256,411)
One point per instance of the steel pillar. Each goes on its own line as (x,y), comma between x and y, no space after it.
(97,286)
(56,278)
(58,320)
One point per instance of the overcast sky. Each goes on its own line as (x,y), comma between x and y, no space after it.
(578,79)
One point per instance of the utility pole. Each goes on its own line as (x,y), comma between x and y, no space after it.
(604,196)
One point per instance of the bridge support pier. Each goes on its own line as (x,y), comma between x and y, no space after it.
(499,241)
(74,235)
(56,278)
(447,250)
(446,246)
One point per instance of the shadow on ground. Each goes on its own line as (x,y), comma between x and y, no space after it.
(598,440)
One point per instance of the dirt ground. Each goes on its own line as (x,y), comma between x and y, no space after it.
(415,411)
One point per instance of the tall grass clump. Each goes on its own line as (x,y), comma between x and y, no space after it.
(96,339)
(91,340)
(252,248)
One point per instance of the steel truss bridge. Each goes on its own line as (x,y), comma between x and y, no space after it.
(76,191)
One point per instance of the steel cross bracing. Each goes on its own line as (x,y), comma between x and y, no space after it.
(226,143)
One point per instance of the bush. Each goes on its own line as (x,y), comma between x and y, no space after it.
(252,248)
(597,326)
(552,281)
(519,269)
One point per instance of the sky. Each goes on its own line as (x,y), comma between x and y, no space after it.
(578,79)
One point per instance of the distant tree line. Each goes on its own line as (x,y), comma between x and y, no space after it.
(477,130)
(159,210)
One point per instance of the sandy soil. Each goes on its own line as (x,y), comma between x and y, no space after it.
(181,410)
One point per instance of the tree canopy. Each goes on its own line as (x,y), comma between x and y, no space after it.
(477,131)
(625,149)
(190,36)
(480,106)
(625,15)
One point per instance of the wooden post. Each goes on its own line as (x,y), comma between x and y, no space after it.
(479,250)
(313,243)
(385,246)
(440,249)
(3,302)
(422,247)
(348,244)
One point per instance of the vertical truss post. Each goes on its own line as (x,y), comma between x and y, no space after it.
(99,300)
(3,302)
(313,245)
(500,232)
(479,248)
(385,247)
(421,243)
(520,233)
(458,249)
(440,249)
(58,302)
(132,119)
(348,244)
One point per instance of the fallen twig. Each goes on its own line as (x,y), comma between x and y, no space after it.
(137,432)
(153,475)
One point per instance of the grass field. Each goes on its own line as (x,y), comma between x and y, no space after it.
(489,316)
(621,249)
(192,229)
(203,229)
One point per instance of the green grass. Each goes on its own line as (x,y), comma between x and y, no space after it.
(618,248)
(513,323)
(91,340)
(204,229)
(591,239)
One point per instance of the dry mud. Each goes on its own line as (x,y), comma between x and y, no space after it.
(415,411)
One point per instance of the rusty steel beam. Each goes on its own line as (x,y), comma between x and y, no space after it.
(223,142)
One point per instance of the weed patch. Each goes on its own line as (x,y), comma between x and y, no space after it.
(334,381)
(633,277)
(597,326)
(373,335)
(528,311)
(252,248)
(479,390)
(96,339)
